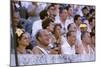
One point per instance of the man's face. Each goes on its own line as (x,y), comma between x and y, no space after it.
(44,38)
(70,12)
(73,27)
(72,38)
(52,11)
(85,11)
(15,20)
(51,27)
(58,30)
(79,20)
(64,14)
(87,38)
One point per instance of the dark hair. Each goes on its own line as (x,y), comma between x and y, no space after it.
(43,14)
(68,7)
(76,17)
(91,11)
(46,23)
(56,27)
(90,19)
(19,37)
(61,9)
(52,5)
(69,26)
(92,34)
(69,33)
(37,35)
(84,8)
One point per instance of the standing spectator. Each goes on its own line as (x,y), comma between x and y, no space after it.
(38,24)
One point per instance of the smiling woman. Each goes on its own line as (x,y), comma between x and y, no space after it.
(23,42)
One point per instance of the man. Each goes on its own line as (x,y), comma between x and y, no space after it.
(72,27)
(78,21)
(63,20)
(86,43)
(70,13)
(52,11)
(48,24)
(42,37)
(38,24)
(69,47)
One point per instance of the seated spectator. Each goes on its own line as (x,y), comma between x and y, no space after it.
(93,40)
(57,35)
(72,27)
(23,42)
(43,48)
(91,23)
(48,24)
(83,27)
(69,48)
(86,43)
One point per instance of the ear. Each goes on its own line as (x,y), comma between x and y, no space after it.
(39,38)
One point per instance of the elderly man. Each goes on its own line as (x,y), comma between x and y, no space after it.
(42,37)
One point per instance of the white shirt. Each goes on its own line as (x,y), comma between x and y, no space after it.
(37,25)
(64,26)
(67,49)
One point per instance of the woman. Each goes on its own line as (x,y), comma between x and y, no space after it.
(22,42)
(57,37)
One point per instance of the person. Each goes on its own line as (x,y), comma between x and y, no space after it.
(22,43)
(92,40)
(70,13)
(48,24)
(86,43)
(78,21)
(63,20)
(69,48)
(38,24)
(43,48)
(52,11)
(72,27)
(58,36)
(91,23)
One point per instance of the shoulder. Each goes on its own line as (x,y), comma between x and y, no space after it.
(36,50)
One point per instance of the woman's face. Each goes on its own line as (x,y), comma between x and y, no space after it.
(24,40)
(58,30)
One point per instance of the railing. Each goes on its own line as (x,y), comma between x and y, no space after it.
(28,59)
